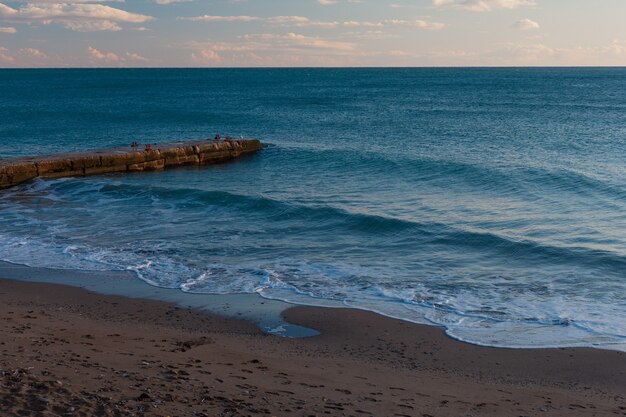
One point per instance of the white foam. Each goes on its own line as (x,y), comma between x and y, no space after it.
(546,318)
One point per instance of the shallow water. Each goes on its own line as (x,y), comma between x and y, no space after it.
(488,201)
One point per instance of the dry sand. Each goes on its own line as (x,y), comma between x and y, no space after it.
(69,352)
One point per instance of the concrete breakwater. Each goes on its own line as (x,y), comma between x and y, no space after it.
(123,159)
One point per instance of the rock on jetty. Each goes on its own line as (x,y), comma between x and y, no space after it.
(124,159)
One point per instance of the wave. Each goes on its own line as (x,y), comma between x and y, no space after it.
(379,225)
(382,165)
(465,306)
(535,180)
(390,233)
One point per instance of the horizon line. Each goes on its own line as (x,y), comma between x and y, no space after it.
(323,67)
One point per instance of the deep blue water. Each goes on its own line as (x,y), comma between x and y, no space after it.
(489,201)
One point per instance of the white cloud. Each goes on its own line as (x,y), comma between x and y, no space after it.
(295,39)
(419,23)
(529,53)
(301,21)
(91,25)
(5,57)
(329,2)
(484,5)
(111,58)
(67,1)
(270,49)
(74,15)
(6,11)
(616,47)
(526,24)
(209,18)
(286,20)
(539,53)
(206,56)
(164,2)
(33,53)
(135,57)
(544,54)
(314,42)
(99,56)
(367,34)
(24,57)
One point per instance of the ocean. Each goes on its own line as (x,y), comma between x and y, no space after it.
(491,202)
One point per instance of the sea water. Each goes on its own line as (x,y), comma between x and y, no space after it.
(491,202)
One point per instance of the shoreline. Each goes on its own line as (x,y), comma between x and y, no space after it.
(264,312)
(69,348)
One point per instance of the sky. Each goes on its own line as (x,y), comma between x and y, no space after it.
(297,33)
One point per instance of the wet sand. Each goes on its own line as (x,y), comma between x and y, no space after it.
(69,352)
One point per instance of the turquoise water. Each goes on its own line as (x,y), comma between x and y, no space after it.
(488,201)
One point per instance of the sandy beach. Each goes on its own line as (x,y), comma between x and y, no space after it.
(69,352)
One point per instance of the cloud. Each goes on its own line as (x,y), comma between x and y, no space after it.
(329,2)
(33,53)
(295,39)
(301,21)
(616,47)
(288,20)
(111,58)
(73,15)
(164,2)
(7,30)
(529,53)
(108,57)
(206,56)
(5,57)
(484,5)
(91,26)
(209,18)
(24,57)
(542,54)
(67,1)
(315,42)
(130,56)
(419,23)
(367,34)
(526,24)
(270,49)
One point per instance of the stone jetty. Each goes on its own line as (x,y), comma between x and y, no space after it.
(123,159)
